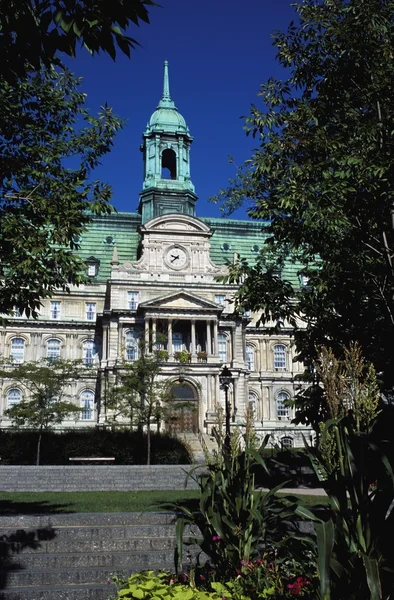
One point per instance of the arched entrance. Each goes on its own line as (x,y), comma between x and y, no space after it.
(183,415)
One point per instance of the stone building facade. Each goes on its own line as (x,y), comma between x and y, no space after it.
(155,274)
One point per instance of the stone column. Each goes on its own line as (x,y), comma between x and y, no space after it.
(209,391)
(154,323)
(169,334)
(193,340)
(233,347)
(105,342)
(146,335)
(209,340)
(235,398)
(215,338)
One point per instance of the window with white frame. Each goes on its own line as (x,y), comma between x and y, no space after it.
(87,405)
(53,349)
(287,442)
(133,298)
(92,270)
(249,357)
(131,345)
(253,403)
(17,352)
(222,347)
(220,299)
(280,357)
(89,352)
(14,396)
(282,410)
(55,309)
(90,311)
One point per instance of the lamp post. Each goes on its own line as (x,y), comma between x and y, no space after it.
(225,378)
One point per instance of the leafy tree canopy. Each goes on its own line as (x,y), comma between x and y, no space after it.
(49,145)
(321,180)
(47,403)
(32,32)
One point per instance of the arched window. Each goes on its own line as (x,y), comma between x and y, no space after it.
(131,345)
(249,357)
(253,402)
(168,164)
(17,353)
(281,409)
(53,349)
(287,442)
(89,352)
(222,347)
(87,405)
(280,357)
(14,396)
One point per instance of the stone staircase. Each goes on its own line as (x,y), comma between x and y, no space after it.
(196,447)
(74,556)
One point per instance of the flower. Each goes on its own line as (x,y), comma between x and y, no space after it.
(216,538)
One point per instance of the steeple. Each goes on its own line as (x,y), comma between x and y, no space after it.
(166,101)
(167,185)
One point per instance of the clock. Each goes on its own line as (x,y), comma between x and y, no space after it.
(176,257)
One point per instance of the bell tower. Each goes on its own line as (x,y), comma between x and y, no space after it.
(167,186)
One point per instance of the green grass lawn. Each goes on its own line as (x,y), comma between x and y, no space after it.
(91,502)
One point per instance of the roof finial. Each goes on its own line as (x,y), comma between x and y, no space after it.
(166,101)
(166,82)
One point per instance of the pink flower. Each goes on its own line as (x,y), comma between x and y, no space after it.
(216,538)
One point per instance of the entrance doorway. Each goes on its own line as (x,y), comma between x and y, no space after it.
(183,416)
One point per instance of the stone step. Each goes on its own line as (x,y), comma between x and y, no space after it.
(71,592)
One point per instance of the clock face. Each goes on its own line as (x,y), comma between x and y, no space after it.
(176,257)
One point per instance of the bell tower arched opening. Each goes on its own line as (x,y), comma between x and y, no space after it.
(168,164)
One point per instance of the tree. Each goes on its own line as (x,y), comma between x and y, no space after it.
(49,145)
(138,395)
(47,404)
(32,33)
(321,183)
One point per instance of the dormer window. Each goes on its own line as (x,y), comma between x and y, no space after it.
(226,247)
(92,266)
(92,270)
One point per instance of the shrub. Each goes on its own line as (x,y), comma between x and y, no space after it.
(128,447)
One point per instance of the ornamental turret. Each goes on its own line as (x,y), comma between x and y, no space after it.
(167,186)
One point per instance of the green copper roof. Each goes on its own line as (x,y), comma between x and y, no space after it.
(230,236)
(166,117)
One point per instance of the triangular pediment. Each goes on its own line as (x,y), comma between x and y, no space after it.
(181,300)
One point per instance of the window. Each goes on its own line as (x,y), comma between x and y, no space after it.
(220,299)
(87,405)
(90,311)
(253,403)
(249,357)
(281,409)
(222,347)
(131,345)
(177,342)
(53,349)
(133,300)
(55,309)
(286,442)
(17,353)
(279,357)
(92,270)
(14,396)
(89,352)
(226,247)
(16,312)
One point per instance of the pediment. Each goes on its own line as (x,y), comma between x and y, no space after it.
(181,300)
(177,222)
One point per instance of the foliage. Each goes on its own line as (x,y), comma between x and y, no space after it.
(183,356)
(46,404)
(49,146)
(247,586)
(32,34)
(321,183)
(354,540)
(235,522)
(138,394)
(128,447)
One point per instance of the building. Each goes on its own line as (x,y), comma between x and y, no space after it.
(156,272)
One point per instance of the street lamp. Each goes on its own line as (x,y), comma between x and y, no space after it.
(225,378)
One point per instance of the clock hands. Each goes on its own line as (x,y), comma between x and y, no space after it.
(174,257)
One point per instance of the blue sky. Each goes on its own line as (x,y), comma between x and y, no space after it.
(219,53)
